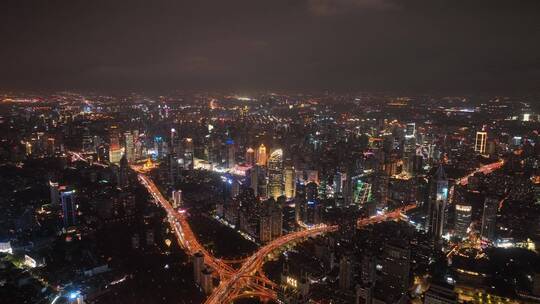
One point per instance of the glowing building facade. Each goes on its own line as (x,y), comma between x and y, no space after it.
(275,174)
(462,219)
(290,183)
(481,140)
(261,155)
(250,157)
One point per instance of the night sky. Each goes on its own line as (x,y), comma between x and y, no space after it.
(391,45)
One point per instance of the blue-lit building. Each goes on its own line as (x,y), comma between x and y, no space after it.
(69,208)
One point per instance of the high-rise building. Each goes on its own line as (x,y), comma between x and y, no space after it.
(139,150)
(189,150)
(129,147)
(382,182)
(480,144)
(395,272)
(198,266)
(123,172)
(173,145)
(440,294)
(265,228)
(174,167)
(115,151)
(290,183)
(489,217)
(231,154)
(177,198)
(409,149)
(275,174)
(254,179)
(51,147)
(250,157)
(491,148)
(536,285)
(261,155)
(364,294)
(300,203)
(410,129)
(150,239)
(312,176)
(88,144)
(55,192)
(345,273)
(277,221)
(69,208)
(438,202)
(235,188)
(462,219)
(338,183)
(312,192)
(262,190)
(367,271)
(207,284)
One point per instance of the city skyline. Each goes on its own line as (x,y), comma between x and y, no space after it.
(277,152)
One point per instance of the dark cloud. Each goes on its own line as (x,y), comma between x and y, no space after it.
(335,7)
(416,45)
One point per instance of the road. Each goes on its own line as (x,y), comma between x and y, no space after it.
(234,282)
(231,288)
(185,236)
(77,156)
(485,169)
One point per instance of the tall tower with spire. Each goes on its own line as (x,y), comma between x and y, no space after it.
(438,201)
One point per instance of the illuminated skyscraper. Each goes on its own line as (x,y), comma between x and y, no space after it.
(69,208)
(410,130)
(129,147)
(462,219)
(489,217)
(480,145)
(275,174)
(55,192)
(409,148)
(115,152)
(338,183)
(290,183)
(189,151)
(177,198)
(173,145)
(438,201)
(250,157)
(261,155)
